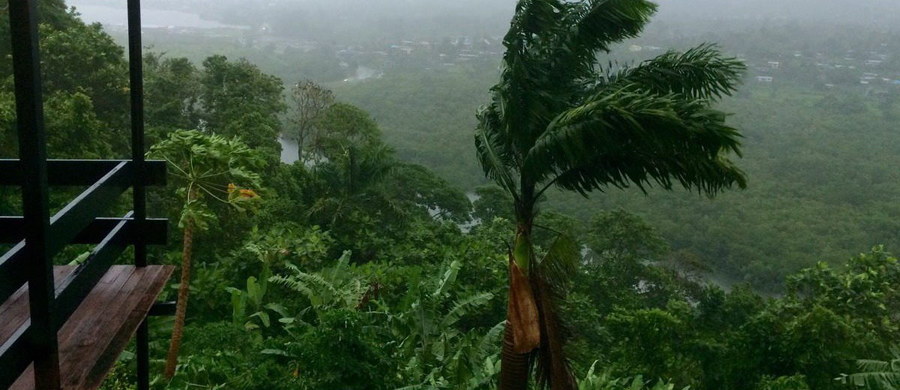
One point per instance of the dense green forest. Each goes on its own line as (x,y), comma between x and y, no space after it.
(808,143)
(381,259)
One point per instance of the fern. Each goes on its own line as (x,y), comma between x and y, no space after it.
(334,287)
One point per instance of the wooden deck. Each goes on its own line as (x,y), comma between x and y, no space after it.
(101,327)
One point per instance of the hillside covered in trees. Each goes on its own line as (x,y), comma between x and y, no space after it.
(509,211)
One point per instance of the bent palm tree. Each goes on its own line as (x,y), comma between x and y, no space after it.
(556,118)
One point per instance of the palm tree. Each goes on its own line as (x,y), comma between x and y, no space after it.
(206,168)
(557,118)
(353,183)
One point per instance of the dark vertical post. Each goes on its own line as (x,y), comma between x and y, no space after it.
(33,154)
(136,72)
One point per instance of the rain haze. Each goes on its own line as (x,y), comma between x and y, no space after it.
(512,194)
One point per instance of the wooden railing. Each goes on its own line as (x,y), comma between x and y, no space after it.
(37,237)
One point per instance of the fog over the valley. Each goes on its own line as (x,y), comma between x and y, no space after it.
(349,19)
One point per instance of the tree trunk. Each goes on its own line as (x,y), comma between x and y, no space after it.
(300,141)
(522,334)
(515,368)
(181,306)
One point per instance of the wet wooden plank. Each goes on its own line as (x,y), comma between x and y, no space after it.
(14,312)
(101,327)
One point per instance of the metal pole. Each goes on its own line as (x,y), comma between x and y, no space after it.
(33,154)
(136,72)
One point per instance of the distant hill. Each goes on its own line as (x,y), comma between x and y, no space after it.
(883,12)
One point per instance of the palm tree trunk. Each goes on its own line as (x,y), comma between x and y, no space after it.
(522,334)
(181,306)
(515,368)
(552,367)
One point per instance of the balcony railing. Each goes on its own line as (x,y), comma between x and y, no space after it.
(61,327)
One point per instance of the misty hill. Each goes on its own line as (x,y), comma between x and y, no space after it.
(880,12)
(348,21)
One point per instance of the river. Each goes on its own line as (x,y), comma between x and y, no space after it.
(288,150)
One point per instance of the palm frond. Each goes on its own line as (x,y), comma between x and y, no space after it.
(530,68)
(561,261)
(552,369)
(496,160)
(632,136)
(603,22)
(534,20)
(700,73)
(557,268)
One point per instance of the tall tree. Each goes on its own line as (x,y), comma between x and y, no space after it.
(172,89)
(311,100)
(240,100)
(85,59)
(342,126)
(206,168)
(557,118)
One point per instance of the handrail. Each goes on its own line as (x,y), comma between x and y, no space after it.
(76,216)
(75,223)
(15,355)
(154,232)
(11,278)
(72,290)
(79,172)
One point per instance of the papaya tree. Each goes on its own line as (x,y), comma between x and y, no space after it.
(557,118)
(207,169)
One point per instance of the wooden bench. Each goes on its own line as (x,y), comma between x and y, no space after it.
(99,329)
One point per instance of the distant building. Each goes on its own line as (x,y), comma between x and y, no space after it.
(764,79)
(774,64)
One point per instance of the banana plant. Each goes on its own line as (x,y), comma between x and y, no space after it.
(594,380)
(877,374)
(438,353)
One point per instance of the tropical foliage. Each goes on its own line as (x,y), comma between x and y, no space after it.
(357,268)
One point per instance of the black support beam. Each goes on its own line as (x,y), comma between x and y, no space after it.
(154,233)
(163,309)
(79,172)
(23,26)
